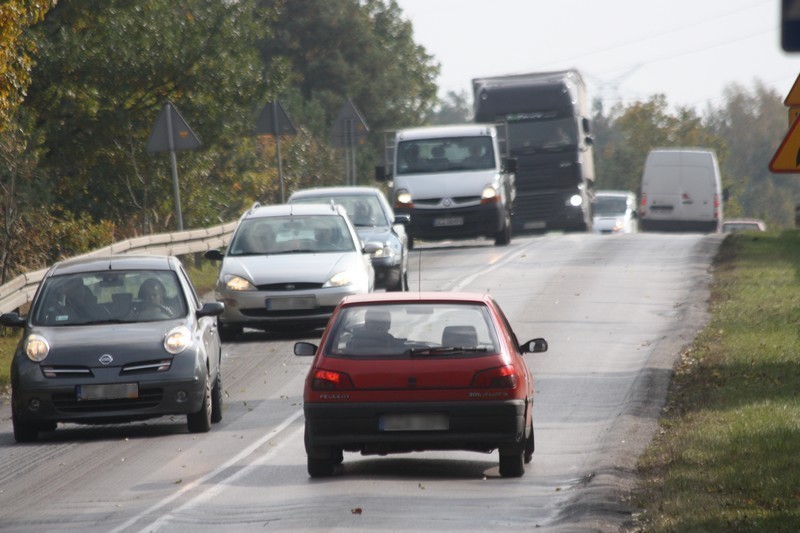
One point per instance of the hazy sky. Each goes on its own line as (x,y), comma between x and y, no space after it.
(625,49)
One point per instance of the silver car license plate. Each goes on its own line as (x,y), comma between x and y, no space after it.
(293,303)
(443,222)
(111,391)
(414,422)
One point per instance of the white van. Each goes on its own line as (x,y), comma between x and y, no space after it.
(454,181)
(681,191)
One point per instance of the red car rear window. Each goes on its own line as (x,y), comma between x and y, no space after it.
(412,329)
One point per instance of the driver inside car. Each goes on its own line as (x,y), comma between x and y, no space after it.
(153,301)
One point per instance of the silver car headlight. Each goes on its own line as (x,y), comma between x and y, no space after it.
(386,252)
(339,280)
(237,283)
(36,348)
(178,340)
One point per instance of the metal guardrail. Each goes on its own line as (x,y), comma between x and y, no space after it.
(21,289)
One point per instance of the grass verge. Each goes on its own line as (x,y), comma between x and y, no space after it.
(726,455)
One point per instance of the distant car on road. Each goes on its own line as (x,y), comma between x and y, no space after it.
(743,224)
(288,266)
(615,212)
(376,222)
(405,372)
(115,339)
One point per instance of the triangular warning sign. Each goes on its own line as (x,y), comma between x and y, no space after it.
(793,98)
(272,114)
(171,132)
(787,157)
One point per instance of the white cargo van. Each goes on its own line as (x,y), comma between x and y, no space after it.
(455,182)
(681,191)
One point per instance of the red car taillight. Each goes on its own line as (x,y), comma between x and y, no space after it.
(503,377)
(330,380)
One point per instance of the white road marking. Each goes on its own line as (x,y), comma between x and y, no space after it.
(207,493)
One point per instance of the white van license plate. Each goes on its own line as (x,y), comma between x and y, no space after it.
(443,222)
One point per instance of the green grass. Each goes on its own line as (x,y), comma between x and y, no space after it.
(7,345)
(727,454)
(203,275)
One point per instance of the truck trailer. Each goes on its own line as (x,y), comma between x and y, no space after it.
(549,135)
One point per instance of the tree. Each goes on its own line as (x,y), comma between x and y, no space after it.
(15,52)
(455,108)
(623,140)
(18,162)
(345,49)
(97,93)
(752,123)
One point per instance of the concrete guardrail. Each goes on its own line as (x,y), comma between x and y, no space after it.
(21,289)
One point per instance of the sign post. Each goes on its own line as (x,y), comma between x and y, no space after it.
(349,130)
(273,120)
(171,133)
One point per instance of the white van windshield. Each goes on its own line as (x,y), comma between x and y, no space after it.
(445,154)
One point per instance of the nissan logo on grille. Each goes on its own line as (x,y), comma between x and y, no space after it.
(290,287)
(106,359)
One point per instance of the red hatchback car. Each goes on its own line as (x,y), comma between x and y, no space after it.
(404,372)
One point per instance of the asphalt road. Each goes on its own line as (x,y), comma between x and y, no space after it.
(616,311)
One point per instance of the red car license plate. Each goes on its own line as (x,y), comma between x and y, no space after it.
(414,422)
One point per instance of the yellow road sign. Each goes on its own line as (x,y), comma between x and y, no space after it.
(793,98)
(793,113)
(787,156)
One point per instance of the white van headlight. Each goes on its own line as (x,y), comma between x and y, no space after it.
(489,194)
(403,197)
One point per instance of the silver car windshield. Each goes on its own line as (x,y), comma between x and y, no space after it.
(110,297)
(364,210)
(292,234)
(610,205)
